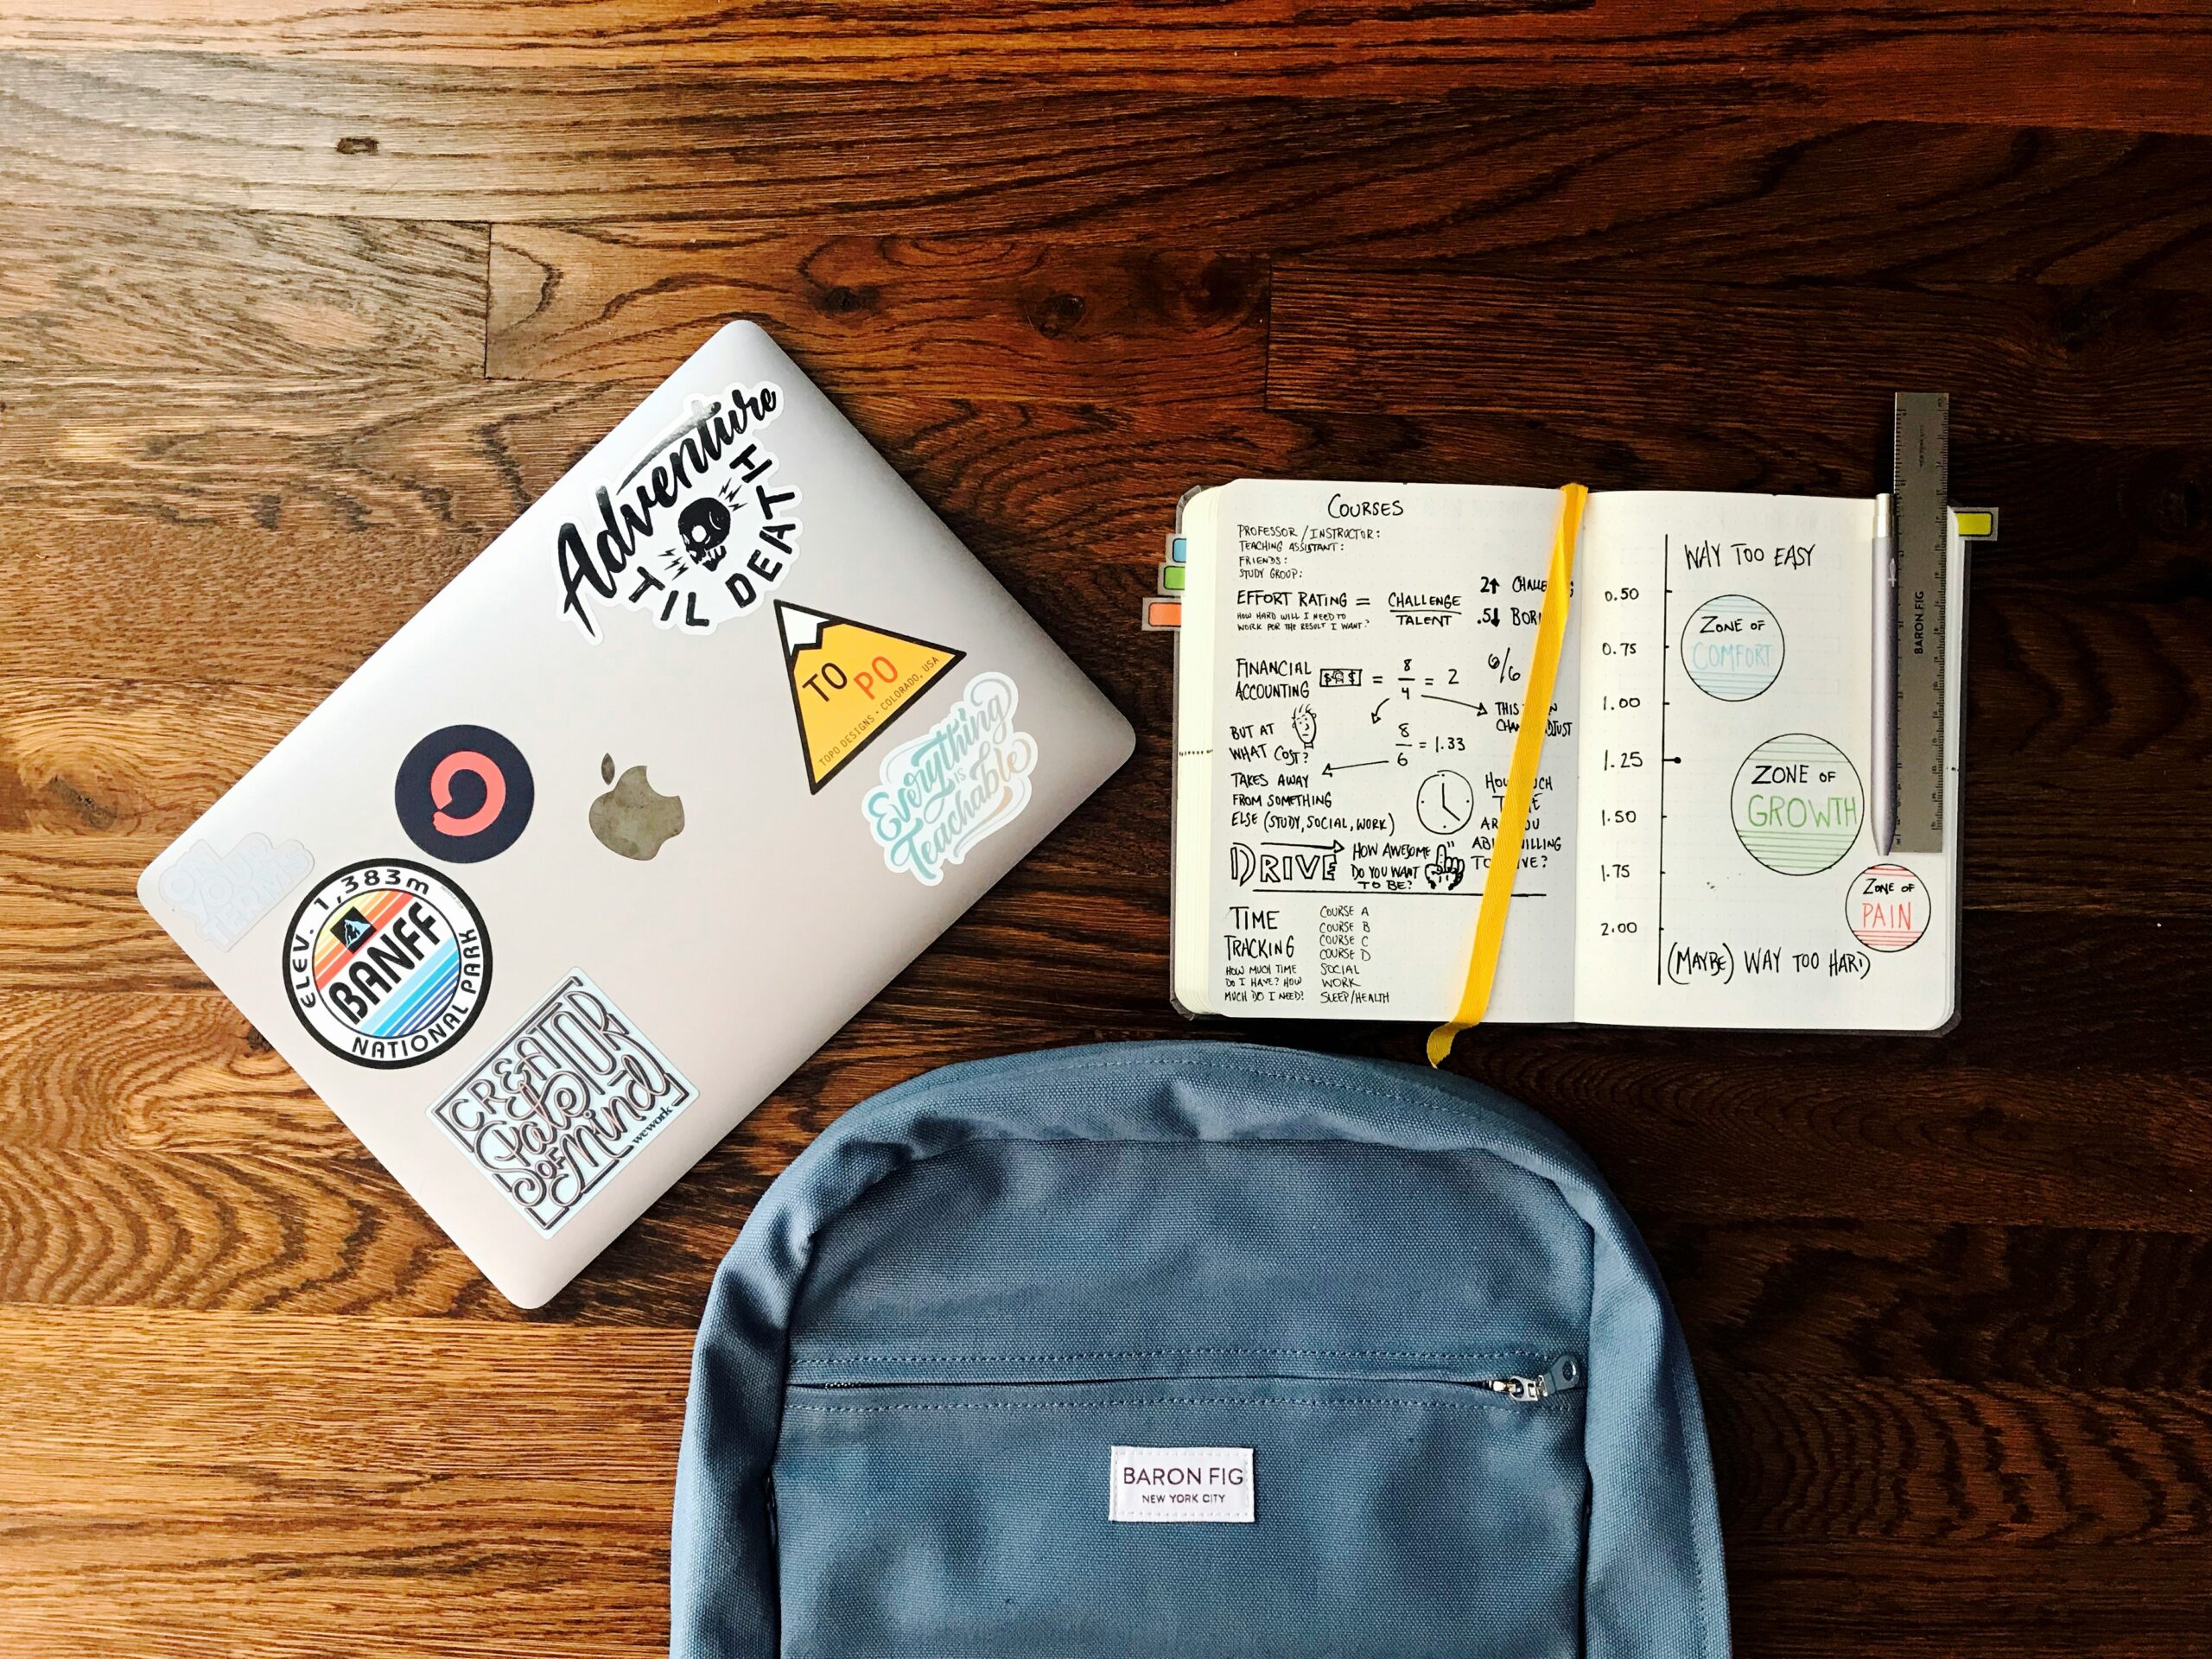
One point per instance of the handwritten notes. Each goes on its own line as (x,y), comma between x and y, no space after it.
(1372,645)
(1349,688)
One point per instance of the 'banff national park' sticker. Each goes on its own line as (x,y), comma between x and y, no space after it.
(696,531)
(562,1103)
(965,778)
(387,964)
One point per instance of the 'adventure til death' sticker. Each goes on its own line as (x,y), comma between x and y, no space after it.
(565,1100)
(965,778)
(849,682)
(696,531)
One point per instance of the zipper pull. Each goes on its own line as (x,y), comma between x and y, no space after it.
(1565,1374)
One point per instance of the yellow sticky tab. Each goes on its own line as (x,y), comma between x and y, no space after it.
(1975,521)
(1520,779)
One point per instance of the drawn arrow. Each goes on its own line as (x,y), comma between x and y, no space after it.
(1307,846)
(1333,767)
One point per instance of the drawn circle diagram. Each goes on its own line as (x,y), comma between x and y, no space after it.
(1732,647)
(1797,803)
(1886,907)
(1446,802)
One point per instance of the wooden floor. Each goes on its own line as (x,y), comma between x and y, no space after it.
(299,306)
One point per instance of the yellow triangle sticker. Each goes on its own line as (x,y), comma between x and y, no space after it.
(849,682)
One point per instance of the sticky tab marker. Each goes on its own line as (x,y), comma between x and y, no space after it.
(1179,550)
(1520,780)
(1162,614)
(1171,578)
(1976,524)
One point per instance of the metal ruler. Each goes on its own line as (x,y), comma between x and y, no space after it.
(1923,482)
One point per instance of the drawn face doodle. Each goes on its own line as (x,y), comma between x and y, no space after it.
(705,526)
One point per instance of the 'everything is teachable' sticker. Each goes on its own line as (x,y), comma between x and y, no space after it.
(964,778)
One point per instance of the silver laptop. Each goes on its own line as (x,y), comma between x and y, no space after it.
(635,814)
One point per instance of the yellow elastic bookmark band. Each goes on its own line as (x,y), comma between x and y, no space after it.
(1520,779)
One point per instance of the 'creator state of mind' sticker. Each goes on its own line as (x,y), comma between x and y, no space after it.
(567,1098)
(697,529)
(387,964)
(964,779)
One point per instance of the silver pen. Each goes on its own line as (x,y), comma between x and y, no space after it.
(1885,675)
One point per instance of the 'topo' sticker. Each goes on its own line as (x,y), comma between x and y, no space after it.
(850,681)
(964,778)
(387,964)
(464,793)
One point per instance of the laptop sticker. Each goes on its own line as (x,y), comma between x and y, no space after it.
(225,896)
(387,964)
(565,1100)
(850,681)
(964,779)
(464,794)
(695,531)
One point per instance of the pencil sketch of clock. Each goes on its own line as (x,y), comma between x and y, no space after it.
(1446,802)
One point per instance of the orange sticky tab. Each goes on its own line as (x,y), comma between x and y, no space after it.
(1163,613)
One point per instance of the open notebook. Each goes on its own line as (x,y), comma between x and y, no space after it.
(1699,852)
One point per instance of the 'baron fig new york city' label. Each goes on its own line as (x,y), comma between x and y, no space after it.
(1181,1483)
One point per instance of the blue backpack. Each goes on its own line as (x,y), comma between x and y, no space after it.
(1193,1348)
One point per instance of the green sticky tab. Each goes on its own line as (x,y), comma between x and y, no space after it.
(1171,578)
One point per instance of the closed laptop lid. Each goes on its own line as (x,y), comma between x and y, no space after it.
(654,796)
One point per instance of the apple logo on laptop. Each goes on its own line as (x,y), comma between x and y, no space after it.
(633,818)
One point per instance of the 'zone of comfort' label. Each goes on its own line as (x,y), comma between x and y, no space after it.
(1181,1483)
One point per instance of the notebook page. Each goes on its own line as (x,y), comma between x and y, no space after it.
(1728,870)
(1367,643)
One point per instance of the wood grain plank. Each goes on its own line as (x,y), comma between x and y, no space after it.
(196,1485)
(1799,1600)
(157,1153)
(888,314)
(377,1475)
(2104,1311)
(1943,1465)
(1732,199)
(2078,62)
(1573,180)
(2023,360)
(238,293)
(370,454)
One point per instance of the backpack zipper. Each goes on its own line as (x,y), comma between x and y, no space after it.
(1563,1376)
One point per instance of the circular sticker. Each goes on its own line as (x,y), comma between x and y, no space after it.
(1887,907)
(1797,803)
(387,964)
(1732,647)
(464,793)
